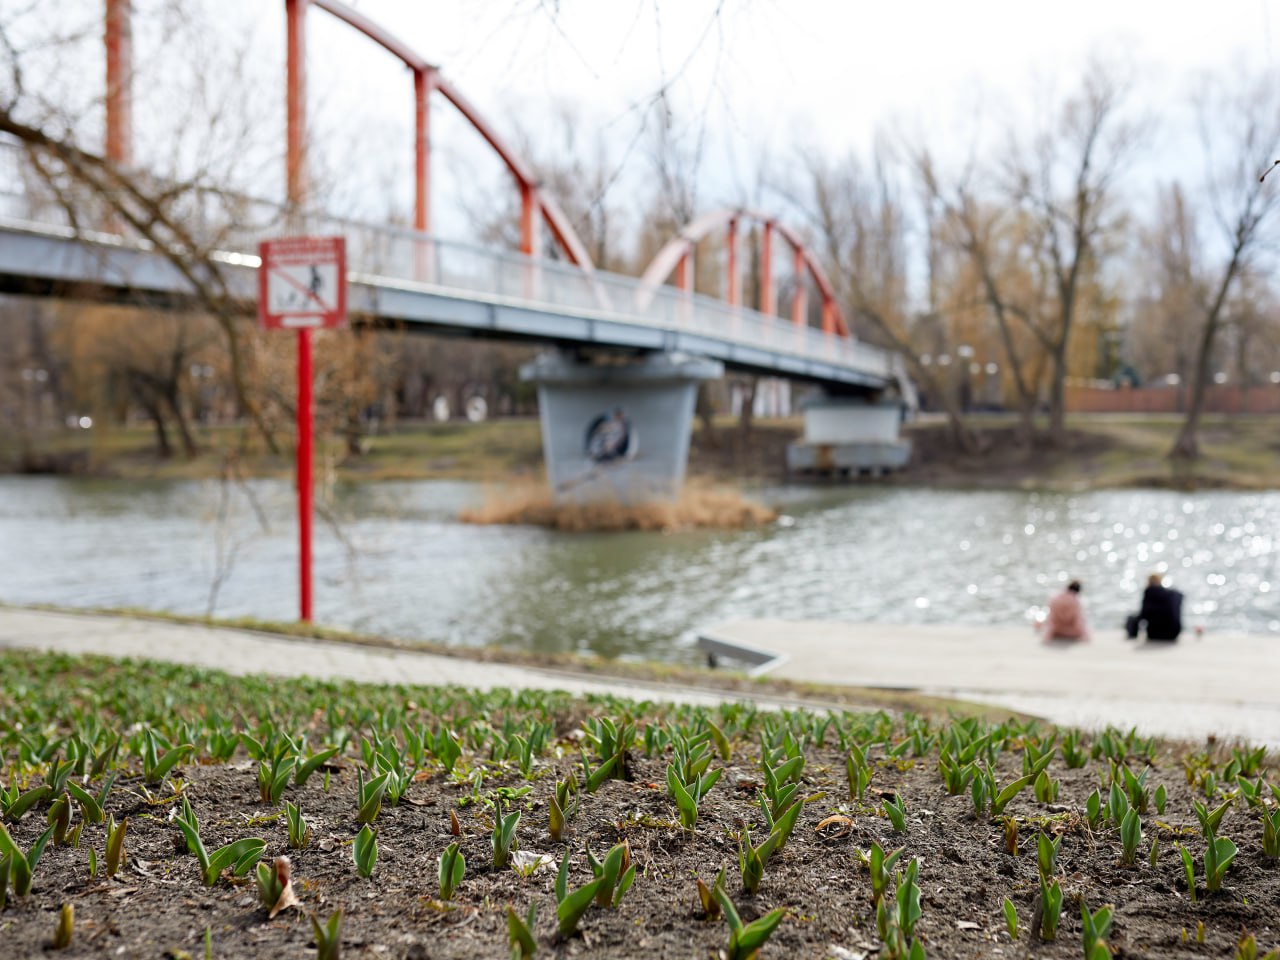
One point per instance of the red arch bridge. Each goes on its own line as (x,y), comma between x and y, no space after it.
(616,387)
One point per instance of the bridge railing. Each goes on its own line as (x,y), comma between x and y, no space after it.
(234,223)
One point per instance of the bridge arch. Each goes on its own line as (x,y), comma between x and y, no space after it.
(535,206)
(678,253)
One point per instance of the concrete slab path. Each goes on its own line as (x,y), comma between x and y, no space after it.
(246,651)
(1222,683)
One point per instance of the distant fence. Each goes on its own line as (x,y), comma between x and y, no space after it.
(1219,398)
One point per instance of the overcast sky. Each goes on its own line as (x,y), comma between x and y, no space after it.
(754,77)
(767,75)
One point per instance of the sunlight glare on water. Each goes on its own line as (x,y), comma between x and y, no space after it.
(398,562)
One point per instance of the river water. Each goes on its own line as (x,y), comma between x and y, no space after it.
(392,559)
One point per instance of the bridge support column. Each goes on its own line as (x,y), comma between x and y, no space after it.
(850,436)
(617,431)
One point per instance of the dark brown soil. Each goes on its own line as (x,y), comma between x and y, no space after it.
(156,906)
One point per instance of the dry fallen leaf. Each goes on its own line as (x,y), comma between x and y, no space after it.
(841,824)
(968,925)
(287,898)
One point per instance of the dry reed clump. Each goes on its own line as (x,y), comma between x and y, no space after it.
(698,507)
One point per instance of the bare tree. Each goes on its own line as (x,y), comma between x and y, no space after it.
(862,225)
(989,239)
(1240,134)
(1065,183)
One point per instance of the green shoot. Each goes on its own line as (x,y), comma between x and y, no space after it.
(1210,820)
(753,860)
(275,888)
(503,838)
(299,829)
(520,933)
(156,765)
(309,766)
(1189,869)
(707,896)
(1050,909)
(1047,854)
(1011,918)
(1046,788)
(1247,949)
(615,873)
(571,906)
(328,937)
(858,772)
(1130,837)
(453,865)
(369,797)
(881,866)
(1218,855)
(563,807)
(274,776)
(1096,927)
(1011,836)
(16,805)
(364,851)
(1271,833)
(1093,809)
(896,811)
(1161,798)
(22,865)
(90,808)
(66,925)
(240,856)
(746,940)
(115,845)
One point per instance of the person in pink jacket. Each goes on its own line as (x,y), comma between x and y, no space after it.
(1066,616)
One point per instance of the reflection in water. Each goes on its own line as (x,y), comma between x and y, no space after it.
(398,561)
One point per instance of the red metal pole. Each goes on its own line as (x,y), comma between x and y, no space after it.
(799,299)
(684,272)
(529,237)
(768,293)
(304,473)
(296,101)
(732,266)
(296,187)
(828,316)
(422,150)
(119,41)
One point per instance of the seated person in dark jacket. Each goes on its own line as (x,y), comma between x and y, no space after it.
(1161,612)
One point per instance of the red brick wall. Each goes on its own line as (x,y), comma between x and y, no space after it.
(1220,398)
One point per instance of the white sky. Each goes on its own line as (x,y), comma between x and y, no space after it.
(760,77)
(770,76)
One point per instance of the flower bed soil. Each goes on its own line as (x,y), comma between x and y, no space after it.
(156,906)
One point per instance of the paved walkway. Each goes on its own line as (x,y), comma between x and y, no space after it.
(1227,684)
(1222,683)
(248,651)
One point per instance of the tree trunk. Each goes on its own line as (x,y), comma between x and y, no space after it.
(189,446)
(149,402)
(1058,397)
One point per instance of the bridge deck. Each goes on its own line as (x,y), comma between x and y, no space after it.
(467,291)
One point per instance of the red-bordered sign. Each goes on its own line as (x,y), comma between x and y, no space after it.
(302,283)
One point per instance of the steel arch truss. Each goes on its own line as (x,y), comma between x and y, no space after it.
(679,252)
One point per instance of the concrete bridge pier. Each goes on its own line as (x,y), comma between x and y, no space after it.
(850,436)
(616,429)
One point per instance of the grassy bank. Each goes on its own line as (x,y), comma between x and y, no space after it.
(1099,451)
